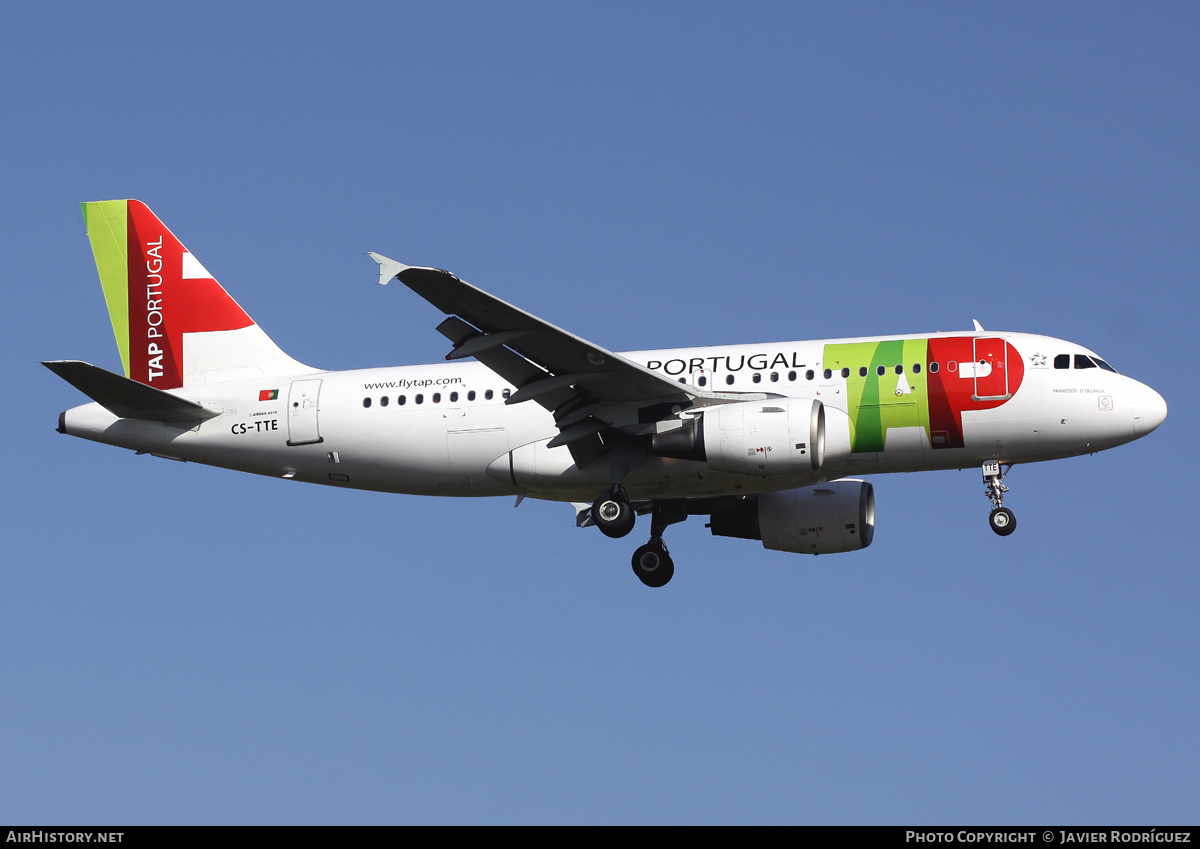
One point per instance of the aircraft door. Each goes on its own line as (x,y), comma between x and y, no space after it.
(303,428)
(470,453)
(991,370)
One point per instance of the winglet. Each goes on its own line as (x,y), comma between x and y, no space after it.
(388,268)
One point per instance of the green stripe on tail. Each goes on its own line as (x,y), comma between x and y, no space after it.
(107,223)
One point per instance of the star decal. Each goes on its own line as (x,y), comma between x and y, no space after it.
(1037,359)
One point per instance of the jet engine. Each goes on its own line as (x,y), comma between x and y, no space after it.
(779,436)
(822,519)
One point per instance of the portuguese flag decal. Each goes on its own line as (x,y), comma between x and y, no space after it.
(268,395)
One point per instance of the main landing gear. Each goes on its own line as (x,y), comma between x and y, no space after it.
(612,513)
(651,562)
(1001,519)
(614,516)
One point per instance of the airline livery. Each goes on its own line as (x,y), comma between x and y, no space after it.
(768,441)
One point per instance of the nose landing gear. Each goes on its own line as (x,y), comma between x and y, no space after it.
(1001,519)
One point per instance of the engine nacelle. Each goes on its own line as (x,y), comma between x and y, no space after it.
(776,437)
(784,436)
(822,519)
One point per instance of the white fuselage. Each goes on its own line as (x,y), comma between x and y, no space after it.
(445,429)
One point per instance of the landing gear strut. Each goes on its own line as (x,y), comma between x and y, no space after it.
(651,562)
(1001,519)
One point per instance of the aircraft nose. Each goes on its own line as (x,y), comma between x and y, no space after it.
(1149,410)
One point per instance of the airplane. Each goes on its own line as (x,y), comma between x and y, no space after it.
(769,441)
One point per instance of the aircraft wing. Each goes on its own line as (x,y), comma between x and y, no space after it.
(588,388)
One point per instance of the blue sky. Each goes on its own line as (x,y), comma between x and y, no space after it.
(184,644)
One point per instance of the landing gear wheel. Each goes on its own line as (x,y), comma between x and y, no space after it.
(612,515)
(652,564)
(1003,521)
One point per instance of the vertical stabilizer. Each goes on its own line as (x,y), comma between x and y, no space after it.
(175,326)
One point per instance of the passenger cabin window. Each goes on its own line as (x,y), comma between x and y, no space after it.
(862,371)
(845,372)
(757,377)
(703,380)
(487,396)
(1082,361)
(729,379)
(828,373)
(453,397)
(933,367)
(401,400)
(505,393)
(899,369)
(916,368)
(1062,361)
(881,370)
(774,377)
(420,399)
(366,402)
(437,397)
(791,376)
(808,375)
(471,395)
(383,401)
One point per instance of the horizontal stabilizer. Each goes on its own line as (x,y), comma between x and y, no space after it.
(127,398)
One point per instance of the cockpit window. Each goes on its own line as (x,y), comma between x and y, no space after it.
(1062,361)
(1103,365)
(1083,361)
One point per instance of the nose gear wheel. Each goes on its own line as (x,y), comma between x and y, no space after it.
(1001,519)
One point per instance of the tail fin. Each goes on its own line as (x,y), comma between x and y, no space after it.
(175,325)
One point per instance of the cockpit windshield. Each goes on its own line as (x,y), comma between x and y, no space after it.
(1064,361)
